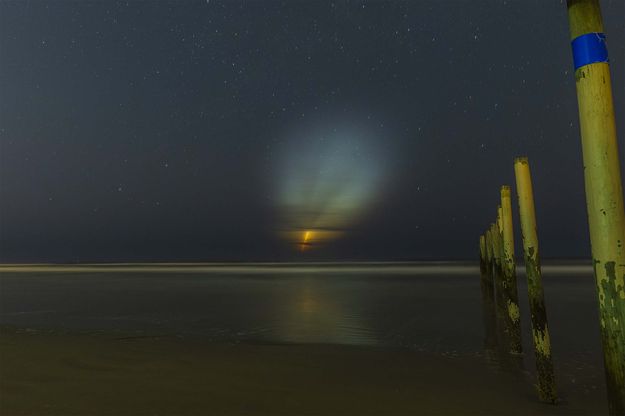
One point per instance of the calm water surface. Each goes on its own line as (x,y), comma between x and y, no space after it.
(434,308)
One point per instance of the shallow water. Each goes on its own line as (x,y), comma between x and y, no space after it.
(433,308)
(426,308)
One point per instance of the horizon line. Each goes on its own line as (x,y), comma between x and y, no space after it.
(403,267)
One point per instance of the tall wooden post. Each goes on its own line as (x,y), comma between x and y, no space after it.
(540,329)
(497,254)
(489,252)
(498,272)
(604,192)
(497,231)
(490,272)
(483,256)
(509,273)
(489,257)
(488,293)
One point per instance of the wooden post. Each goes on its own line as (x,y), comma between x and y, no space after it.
(497,230)
(509,273)
(489,256)
(500,299)
(488,299)
(506,361)
(483,255)
(496,234)
(604,192)
(540,329)
(489,252)
(497,253)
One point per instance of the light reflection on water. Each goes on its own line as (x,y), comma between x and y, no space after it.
(430,307)
(312,316)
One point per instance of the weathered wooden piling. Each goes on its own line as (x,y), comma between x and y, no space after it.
(488,295)
(507,361)
(489,257)
(508,267)
(540,329)
(604,192)
(500,298)
(496,247)
(483,255)
(489,252)
(497,255)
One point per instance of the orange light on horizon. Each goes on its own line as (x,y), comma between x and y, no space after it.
(305,243)
(307,236)
(306,239)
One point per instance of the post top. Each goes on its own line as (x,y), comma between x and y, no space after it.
(521,160)
(584,17)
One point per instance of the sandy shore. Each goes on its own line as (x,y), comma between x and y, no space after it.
(46,374)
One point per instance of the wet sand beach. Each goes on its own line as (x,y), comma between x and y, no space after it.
(52,374)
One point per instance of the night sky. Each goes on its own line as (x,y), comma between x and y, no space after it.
(209,130)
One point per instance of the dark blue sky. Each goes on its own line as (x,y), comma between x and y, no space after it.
(211,130)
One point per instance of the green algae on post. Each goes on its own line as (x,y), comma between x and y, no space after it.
(538,312)
(509,273)
(500,299)
(604,190)
(488,293)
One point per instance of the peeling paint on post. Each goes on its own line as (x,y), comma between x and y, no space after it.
(509,273)
(604,192)
(540,329)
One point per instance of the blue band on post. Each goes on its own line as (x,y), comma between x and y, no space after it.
(588,49)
